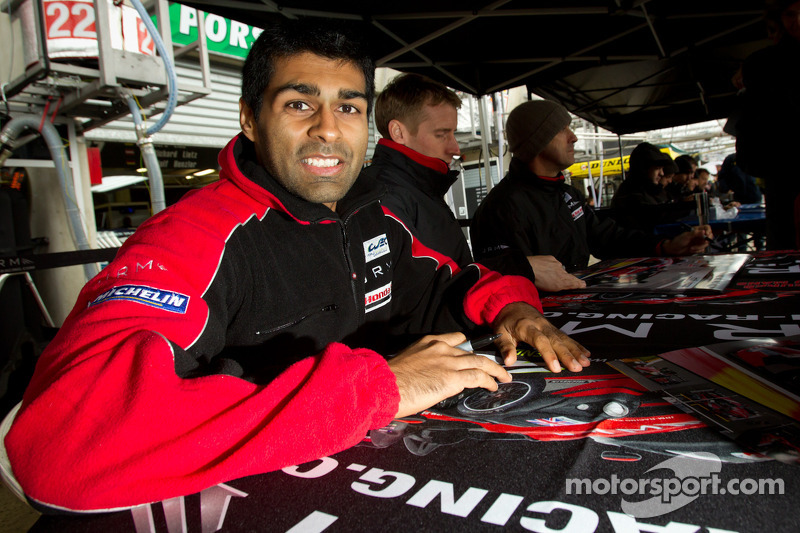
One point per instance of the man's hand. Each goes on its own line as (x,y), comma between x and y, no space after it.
(431,370)
(689,242)
(520,322)
(551,276)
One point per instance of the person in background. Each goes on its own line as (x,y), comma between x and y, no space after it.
(417,118)
(535,211)
(641,202)
(766,132)
(732,178)
(241,329)
(670,168)
(682,185)
(702,177)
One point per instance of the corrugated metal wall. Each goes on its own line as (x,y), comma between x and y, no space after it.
(210,121)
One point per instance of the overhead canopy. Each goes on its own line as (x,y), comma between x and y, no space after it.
(624,65)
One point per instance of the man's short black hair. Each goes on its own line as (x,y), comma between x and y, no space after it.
(330,39)
(685,164)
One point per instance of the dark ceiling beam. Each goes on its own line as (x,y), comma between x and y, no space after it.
(419,42)
(426,62)
(276,9)
(653,31)
(526,60)
(485,12)
(718,35)
(634,85)
(638,86)
(713,14)
(572,98)
(442,31)
(409,47)
(577,53)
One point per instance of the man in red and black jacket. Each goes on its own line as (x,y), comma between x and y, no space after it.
(417,118)
(241,330)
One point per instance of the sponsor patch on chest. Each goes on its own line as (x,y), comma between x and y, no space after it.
(575,206)
(171,301)
(378,298)
(376,247)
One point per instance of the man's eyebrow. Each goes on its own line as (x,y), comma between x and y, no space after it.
(351,94)
(313,90)
(302,88)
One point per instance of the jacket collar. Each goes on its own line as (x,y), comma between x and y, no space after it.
(429,174)
(434,163)
(520,171)
(239,164)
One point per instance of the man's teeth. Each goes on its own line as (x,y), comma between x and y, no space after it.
(317,162)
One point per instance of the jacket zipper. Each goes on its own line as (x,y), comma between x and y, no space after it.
(346,250)
(330,307)
(349,263)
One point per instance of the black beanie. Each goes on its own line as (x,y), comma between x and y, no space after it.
(532,125)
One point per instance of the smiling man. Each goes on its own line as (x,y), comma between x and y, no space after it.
(241,330)
(316,112)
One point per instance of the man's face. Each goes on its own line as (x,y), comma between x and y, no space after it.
(680,178)
(654,174)
(311,134)
(558,154)
(791,20)
(435,134)
(702,179)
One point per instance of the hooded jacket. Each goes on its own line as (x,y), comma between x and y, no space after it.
(639,203)
(234,334)
(544,216)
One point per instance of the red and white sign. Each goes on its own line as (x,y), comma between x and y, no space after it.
(71,29)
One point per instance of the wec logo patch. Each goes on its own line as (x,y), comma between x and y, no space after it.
(173,302)
(376,247)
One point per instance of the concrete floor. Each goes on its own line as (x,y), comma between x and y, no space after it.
(15,515)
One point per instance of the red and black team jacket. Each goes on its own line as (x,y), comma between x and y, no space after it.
(236,332)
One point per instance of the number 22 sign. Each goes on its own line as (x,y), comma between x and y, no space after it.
(71,29)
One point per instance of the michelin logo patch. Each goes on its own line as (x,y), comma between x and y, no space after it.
(378,298)
(173,302)
(376,247)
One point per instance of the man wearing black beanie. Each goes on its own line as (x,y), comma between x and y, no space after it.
(534,211)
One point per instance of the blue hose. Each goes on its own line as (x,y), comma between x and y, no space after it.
(172,99)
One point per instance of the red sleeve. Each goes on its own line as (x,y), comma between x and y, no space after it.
(107,422)
(121,429)
(493,291)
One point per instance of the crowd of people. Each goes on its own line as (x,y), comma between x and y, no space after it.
(277,315)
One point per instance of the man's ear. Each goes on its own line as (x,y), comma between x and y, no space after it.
(398,131)
(247,121)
